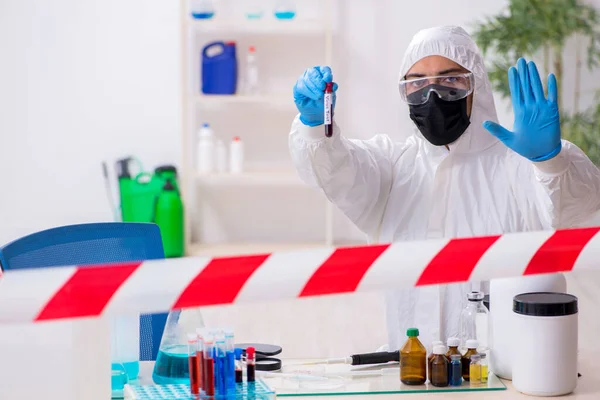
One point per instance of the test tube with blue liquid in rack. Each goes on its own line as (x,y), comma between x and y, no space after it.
(230,360)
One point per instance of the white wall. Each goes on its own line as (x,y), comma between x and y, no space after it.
(85,80)
(81,81)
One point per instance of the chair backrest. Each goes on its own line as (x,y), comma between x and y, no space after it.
(96,243)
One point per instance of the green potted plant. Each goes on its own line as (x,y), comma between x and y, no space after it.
(541,28)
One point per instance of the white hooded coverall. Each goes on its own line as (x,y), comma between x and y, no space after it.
(415,190)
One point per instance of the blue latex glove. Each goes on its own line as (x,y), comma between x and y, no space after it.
(536,133)
(309,91)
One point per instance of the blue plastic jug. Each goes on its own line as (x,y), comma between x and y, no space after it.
(219,70)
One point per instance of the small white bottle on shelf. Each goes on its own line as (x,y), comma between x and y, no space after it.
(252,87)
(205,150)
(221,157)
(236,156)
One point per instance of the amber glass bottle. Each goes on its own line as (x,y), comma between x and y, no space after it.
(430,357)
(439,367)
(466,358)
(413,360)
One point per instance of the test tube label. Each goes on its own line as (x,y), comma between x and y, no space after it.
(328,106)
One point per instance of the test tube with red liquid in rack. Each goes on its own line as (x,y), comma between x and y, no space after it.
(209,367)
(200,354)
(193,364)
(250,364)
(328,103)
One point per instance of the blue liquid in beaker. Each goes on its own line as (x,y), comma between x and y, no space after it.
(172,366)
(132,369)
(203,15)
(285,14)
(118,380)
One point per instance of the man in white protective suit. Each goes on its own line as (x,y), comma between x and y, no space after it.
(461,174)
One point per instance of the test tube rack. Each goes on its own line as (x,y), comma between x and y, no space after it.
(257,390)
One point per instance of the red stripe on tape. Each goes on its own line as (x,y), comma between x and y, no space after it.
(87,292)
(456,261)
(560,251)
(220,281)
(342,271)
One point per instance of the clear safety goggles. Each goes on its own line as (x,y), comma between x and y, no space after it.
(447,87)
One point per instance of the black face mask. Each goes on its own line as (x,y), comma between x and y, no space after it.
(441,122)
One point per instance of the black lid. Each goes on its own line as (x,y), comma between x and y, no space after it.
(268,364)
(165,168)
(545,304)
(169,185)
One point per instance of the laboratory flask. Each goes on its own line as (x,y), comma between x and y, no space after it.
(254,9)
(202,9)
(474,322)
(285,9)
(172,364)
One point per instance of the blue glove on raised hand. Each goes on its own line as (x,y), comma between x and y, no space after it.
(308,94)
(536,133)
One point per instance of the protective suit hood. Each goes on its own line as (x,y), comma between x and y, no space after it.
(454,43)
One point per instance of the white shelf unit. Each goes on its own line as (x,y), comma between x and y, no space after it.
(268,177)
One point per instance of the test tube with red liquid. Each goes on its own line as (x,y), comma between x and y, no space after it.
(328,103)
(200,354)
(250,364)
(193,364)
(209,367)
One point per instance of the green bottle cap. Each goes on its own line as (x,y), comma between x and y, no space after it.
(412,332)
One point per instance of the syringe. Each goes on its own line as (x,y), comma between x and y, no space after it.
(361,359)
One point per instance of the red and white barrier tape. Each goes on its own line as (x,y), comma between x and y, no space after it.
(156,286)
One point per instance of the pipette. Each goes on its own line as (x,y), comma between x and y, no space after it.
(361,359)
(327,375)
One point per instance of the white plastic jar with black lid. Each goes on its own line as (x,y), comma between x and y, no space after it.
(545,348)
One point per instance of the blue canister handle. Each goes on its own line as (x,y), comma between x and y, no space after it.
(211,45)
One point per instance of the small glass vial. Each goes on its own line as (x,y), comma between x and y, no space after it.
(455,370)
(466,358)
(439,367)
(413,360)
(475,369)
(431,356)
(484,368)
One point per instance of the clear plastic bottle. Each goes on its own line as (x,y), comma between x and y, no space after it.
(413,360)
(205,153)
(172,365)
(474,322)
(252,84)
(475,370)
(285,9)
(202,9)
(439,367)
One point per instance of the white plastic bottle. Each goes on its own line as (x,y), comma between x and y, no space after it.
(221,157)
(503,320)
(205,150)
(252,87)
(236,156)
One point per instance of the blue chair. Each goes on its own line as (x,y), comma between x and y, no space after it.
(97,243)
